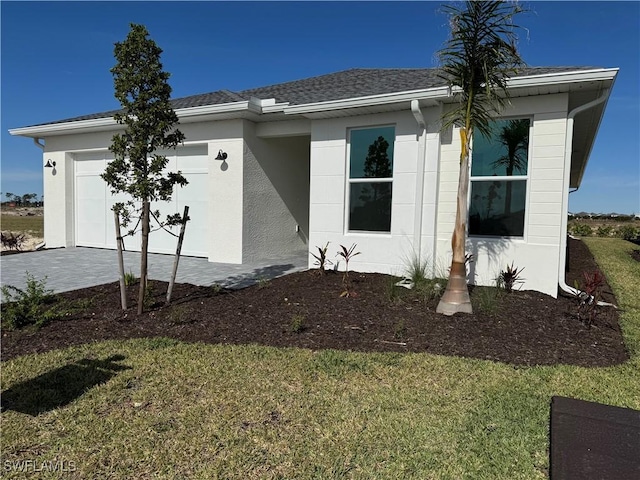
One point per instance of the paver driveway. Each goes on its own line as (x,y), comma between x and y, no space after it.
(78,267)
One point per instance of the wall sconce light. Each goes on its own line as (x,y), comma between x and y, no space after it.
(49,164)
(221,155)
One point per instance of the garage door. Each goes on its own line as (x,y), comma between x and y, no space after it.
(93,202)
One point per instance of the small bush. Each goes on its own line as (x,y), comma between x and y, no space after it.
(400,330)
(29,306)
(627,232)
(604,231)
(509,278)
(589,296)
(263,283)
(580,230)
(297,323)
(130,279)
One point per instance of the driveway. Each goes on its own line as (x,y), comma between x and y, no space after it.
(78,267)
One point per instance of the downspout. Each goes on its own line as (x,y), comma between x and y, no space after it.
(41,146)
(422,151)
(565,196)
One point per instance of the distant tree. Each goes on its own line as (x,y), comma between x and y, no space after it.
(27,198)
(142,89)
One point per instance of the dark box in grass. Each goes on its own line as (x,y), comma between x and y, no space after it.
(593,441)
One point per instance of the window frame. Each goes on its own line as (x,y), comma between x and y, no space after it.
(504,178)
(349,181)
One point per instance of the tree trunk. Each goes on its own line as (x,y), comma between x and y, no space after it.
(185,218)
(143,255)
(123,287)
(456,296)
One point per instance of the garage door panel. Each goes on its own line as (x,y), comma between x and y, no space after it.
(90,219)
(94,216)
(197,230)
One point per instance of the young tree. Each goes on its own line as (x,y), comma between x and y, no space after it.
(478,60)
(142,89)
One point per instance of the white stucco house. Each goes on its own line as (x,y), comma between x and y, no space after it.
(350,157)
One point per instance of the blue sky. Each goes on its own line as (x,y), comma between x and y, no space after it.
(56,56)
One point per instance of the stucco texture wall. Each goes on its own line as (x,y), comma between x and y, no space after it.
(275,195)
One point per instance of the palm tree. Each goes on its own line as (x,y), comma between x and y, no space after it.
(515,137)
(477,61)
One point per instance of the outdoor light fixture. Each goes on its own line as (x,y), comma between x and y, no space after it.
(49,164)
(221,155)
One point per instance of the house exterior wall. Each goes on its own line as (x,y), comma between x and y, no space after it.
(538,250)
(224,193)
(379,252)
(276,195)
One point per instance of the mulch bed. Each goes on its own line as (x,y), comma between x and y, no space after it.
(528,328)
(635,254)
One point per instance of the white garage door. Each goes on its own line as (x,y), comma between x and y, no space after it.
(95,226)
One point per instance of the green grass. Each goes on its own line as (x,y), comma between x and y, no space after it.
(174,410)
(32,225)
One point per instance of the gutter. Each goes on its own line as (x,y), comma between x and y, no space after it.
(422,151)
(565,196)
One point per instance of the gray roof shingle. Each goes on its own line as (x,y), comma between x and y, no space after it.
(353,83)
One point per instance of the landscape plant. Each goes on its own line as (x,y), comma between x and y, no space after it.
(31,306)
(590,293)
(509,277)
(149,122)
(347,254)
(477,61)
(321,258)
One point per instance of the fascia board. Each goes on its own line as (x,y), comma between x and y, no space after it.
(576,76)
(107,123)
(372,100)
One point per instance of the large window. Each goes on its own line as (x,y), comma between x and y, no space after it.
(499,169)
(370,179)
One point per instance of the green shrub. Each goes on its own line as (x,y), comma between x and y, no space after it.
(29,306)
(486,299)
(627,232)
(130,278)
(604,231)
(297,323)
(580,230)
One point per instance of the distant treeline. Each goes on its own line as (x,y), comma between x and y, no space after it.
(26,200)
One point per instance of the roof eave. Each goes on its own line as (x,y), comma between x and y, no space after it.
(186,115)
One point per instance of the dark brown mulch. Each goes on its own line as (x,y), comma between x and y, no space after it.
(635,254)
(528,328)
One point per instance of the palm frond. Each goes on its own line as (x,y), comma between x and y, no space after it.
(479,58)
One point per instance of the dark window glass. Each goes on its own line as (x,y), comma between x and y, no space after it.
(505,152)
(497,208)
(370,206)
(371,156)
(372,153)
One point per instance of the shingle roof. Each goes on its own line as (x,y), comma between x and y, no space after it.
(353,83)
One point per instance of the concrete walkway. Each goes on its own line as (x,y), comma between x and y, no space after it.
(79,267)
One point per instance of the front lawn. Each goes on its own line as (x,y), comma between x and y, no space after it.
(163,408)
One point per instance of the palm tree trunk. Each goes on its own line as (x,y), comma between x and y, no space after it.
(456,296)
(143,255)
